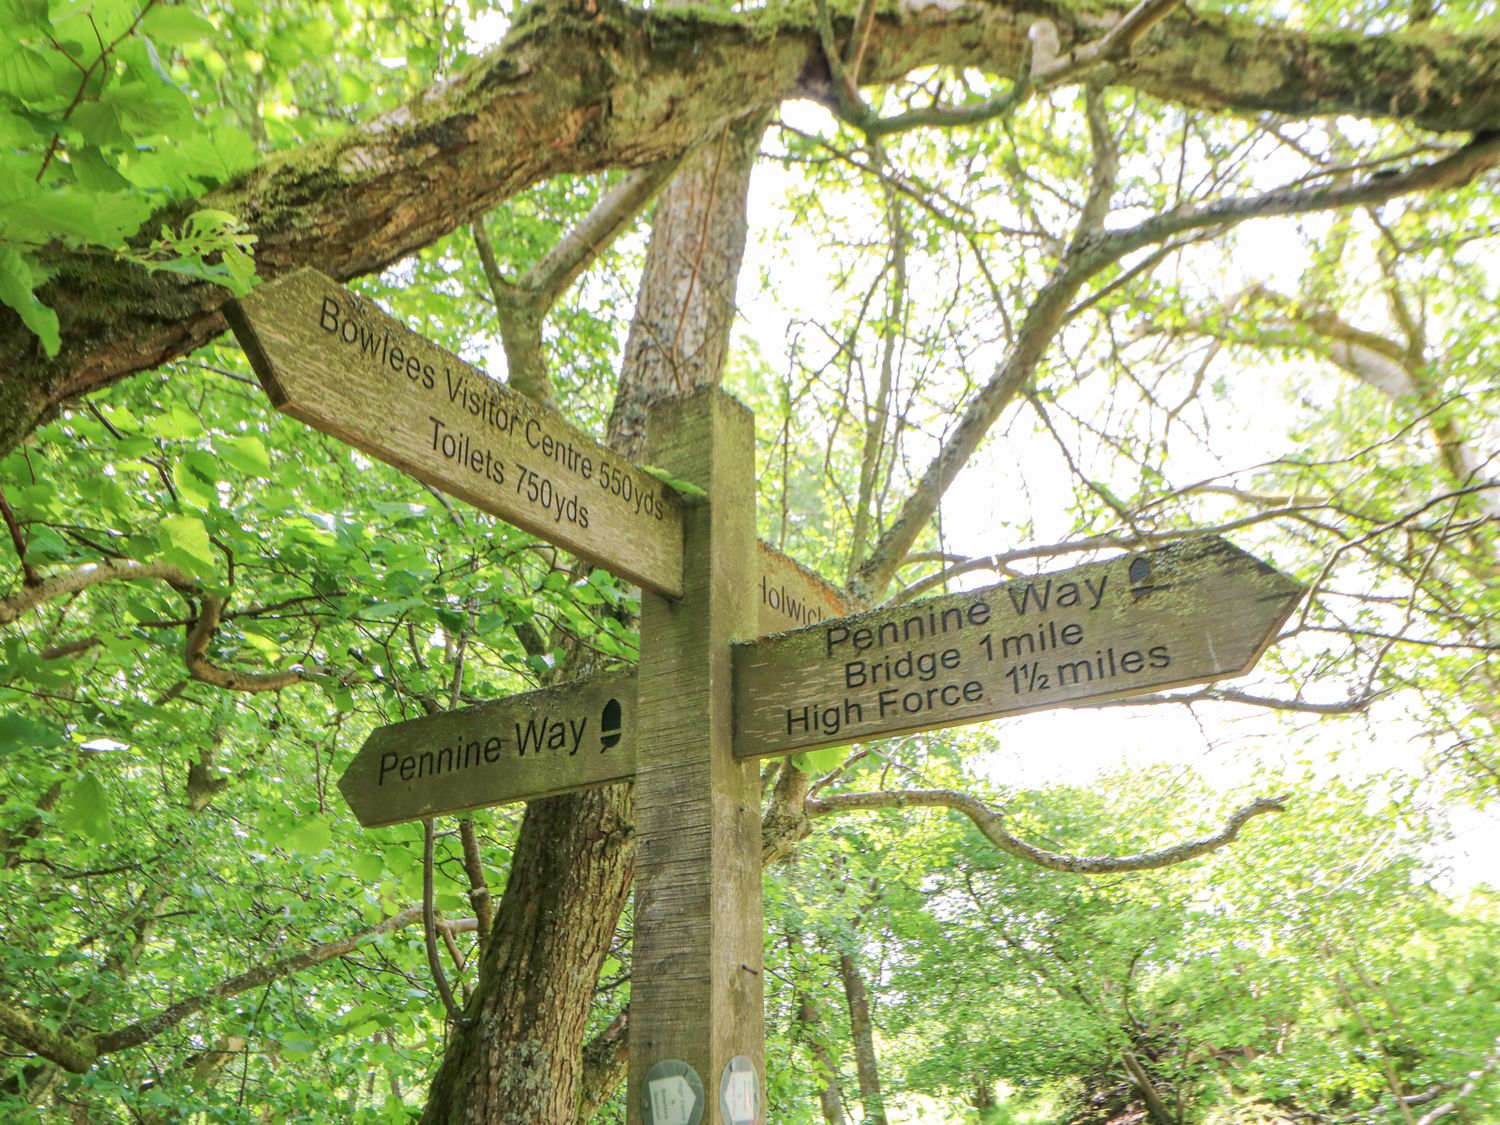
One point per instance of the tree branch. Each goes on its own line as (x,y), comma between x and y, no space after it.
(205,671)
(18,540)
(1357,705)
(522,305)
(91,574)
(1113,46)
(77,1054)
(1475,1077)
(550,277)
(134,1035)
(553,100)
(71,1054)
(1002,563)
(1086,258)
(605,1059)
(991,824)
(1106,163)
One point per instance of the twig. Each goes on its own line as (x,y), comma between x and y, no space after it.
(29,575)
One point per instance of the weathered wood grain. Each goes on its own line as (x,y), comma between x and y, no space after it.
(790,596)
(531,745)
(696,983)
(1188,613)
(337,362)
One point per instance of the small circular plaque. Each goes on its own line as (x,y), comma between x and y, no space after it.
(673,1094)
(739,1092)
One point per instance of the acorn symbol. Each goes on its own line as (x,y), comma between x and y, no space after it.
(1140,577)
(610,731)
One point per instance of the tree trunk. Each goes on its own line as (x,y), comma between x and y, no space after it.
(984,1095)
(829,1097)
(862,1029)
(679,335)
(1155,1106)
(519,1057)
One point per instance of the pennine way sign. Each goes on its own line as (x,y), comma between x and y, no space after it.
(555,740)
(333,360)
(1195,611)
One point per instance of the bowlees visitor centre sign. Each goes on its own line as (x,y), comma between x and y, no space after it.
(340,364)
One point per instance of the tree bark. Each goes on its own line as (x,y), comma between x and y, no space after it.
(518,1056)
(862,1030)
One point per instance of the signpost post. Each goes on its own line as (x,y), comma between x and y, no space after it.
(695,991)
(708,697)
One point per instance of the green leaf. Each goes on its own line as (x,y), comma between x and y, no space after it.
(74,215)
(178,422)
(101,123)
(17,289)
(821,761)
(367,865)
(192,488)
(154,107)
(47,546)
(310,837)
(294,1048)
(94,172)
(23,15)
(247,454)
(34,77)
(686,487)
(17,732)
(186,540)
(88,810)
(176,25)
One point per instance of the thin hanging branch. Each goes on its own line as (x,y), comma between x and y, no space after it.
(429,927)
(992,825)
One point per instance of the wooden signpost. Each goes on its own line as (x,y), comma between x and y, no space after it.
(709,697)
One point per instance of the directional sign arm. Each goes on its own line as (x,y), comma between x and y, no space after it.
(1195,611)
(337,362)
(555,740)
